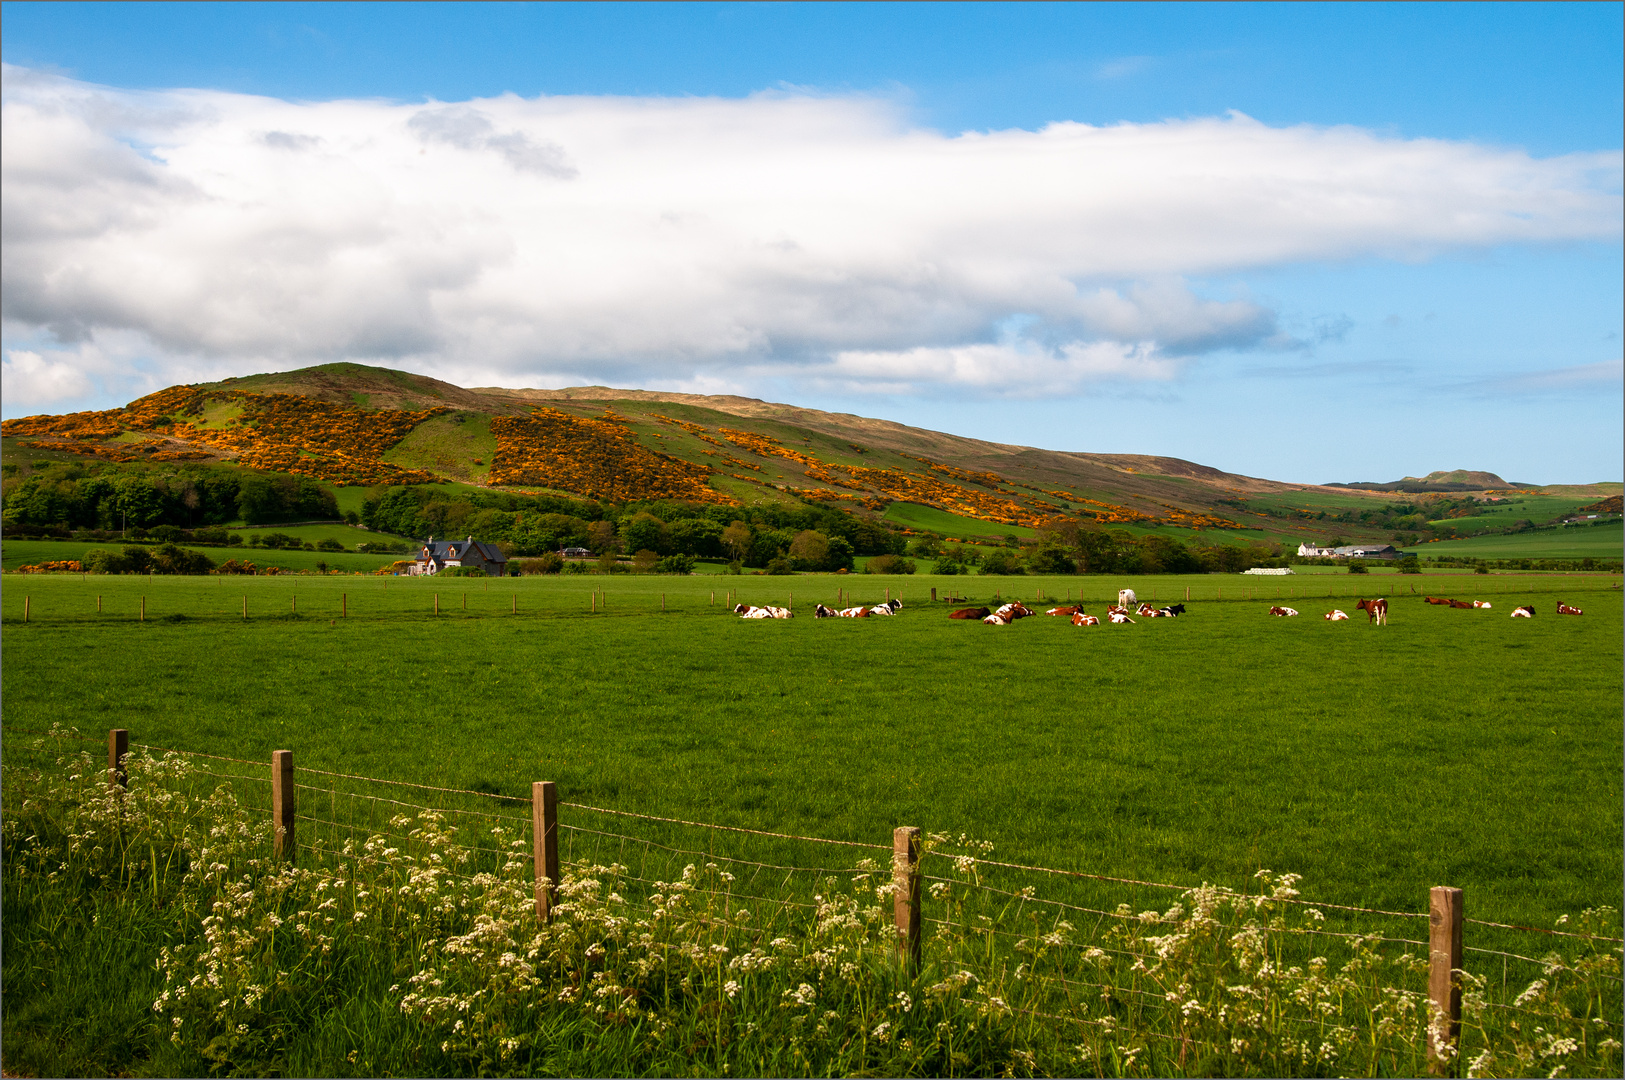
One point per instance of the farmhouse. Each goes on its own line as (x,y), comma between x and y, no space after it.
(576,553)
(435,555)
(1355,551)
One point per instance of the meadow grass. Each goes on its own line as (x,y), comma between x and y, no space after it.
(1452,746)
(30,552)
(1572,542)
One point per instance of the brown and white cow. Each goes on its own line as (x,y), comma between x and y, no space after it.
(822,612)
(1564,609)
(1377,610)
(1284,612)
(890,607)
(1066,612)
(1481,603)
(970,613)
(746,611)
(1526,611)
(1008,614)
(1336,615)
(1080,619)
(1119,616)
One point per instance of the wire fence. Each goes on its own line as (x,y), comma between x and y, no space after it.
(1084,945)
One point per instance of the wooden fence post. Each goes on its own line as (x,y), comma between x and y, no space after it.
(294,607)
(143,609)
(118,745)
(933,594)
(282,804)
(1445,918)
(98,603)
(437,603)
(344,605)
(465,601)
(25,608)
(515,603)
(544,831)
(245,608)
(906,893)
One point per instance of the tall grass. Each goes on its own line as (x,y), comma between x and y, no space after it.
(411,945)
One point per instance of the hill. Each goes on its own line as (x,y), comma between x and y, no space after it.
(354,425)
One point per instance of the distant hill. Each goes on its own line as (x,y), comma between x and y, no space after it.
(1441,481)
(350,424)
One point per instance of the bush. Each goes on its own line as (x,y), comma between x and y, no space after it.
(1002,561)
(675,564)
(779,566)
(173,559)
(461,571)
(132,560)
(1481,569)
(236,566)
(644,561)
(330,544)
(1358,567)
(949,568)
(548,563)
(1410,566)
(889,564)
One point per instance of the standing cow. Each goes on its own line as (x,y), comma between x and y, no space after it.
(1376,610)
(1126,598)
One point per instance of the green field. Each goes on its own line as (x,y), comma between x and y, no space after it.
(1376,762)
(1571,542)
(29,552)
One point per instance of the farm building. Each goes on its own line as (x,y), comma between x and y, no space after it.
(576,553)
(1354,551)
(435,555)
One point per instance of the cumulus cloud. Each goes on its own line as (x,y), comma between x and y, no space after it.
(30,379)
(659,240)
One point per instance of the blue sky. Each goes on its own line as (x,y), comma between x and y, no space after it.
(1313,243)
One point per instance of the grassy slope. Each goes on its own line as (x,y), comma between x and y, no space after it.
(1574,542)
(28,552)
(1179,750)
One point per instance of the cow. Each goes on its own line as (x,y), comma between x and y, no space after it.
(1116,610)
(1120,617)
(1126,598)
(1481,603)
(1146,611)
(1437,600)
(1008,614)
(1336,615)
(890,607)
(1564,609)
(822,612)
(1284,612)
(1174,609)
(1461,604)
(970,613)
(1527,611)
(1376,610)
(1066,612)
(746,611)
(1080,619)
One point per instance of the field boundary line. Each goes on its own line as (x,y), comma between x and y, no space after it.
(197,753)
(1532,960)
(726,828)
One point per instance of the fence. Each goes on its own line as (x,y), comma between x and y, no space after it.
(941,891)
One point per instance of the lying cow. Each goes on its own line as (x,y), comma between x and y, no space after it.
(1008,614)
(1116,609)
(1066,612)
(1377,610)
(822,612)
(1173,610)
(1481,603)
(890,607)
(970,613)
(1118,616)
(1284,612)
(1462,604)
(1564,609)
(1126,598)
(1527,611)
(1336,615)
(1437,600)
(746,611)
(1146,611)
(1080,619)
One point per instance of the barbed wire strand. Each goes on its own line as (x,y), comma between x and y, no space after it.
(725,828)
(1543,930)
(721,858)
(420,787)
(518,821)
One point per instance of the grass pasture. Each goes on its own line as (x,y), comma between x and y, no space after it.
(1453,746)
(30,552)
(1603,541)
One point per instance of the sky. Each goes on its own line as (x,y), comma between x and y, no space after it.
(1306,242)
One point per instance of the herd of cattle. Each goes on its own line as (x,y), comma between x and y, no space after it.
(1120,612)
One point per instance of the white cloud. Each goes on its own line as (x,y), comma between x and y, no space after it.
(1603,378)
(30,379)
(663,240)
